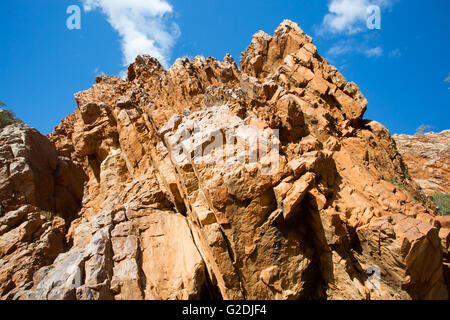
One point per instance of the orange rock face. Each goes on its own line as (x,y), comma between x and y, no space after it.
(428,159)
(209,182)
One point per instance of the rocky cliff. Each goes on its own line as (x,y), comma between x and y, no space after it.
(206,181)
(428,158)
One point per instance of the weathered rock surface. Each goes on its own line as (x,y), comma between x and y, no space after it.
(206,181)
(35,186)
(428,158)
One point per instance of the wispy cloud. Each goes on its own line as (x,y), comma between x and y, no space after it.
(374,52)
(350,47)
(349,16)
(98,72)
(396,53)
(143,25)
(341,48)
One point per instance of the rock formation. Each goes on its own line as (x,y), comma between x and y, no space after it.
(206,181)
(35,185)
(428,158)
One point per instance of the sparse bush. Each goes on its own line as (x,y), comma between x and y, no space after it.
(49,216)
(7,117)
(422,129)
(442,201)
(398,183)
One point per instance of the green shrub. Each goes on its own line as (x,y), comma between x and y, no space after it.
(422,129)
(442,201)
(8,117)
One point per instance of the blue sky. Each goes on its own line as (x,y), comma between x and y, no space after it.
(400,68)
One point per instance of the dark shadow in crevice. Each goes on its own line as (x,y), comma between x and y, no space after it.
(95,166)
(210,290)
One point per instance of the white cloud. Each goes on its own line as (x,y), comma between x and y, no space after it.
(374,52)
(349,47)
(143,26)
(340,48)
(349,16)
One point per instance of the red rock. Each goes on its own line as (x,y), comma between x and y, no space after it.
(153,204)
